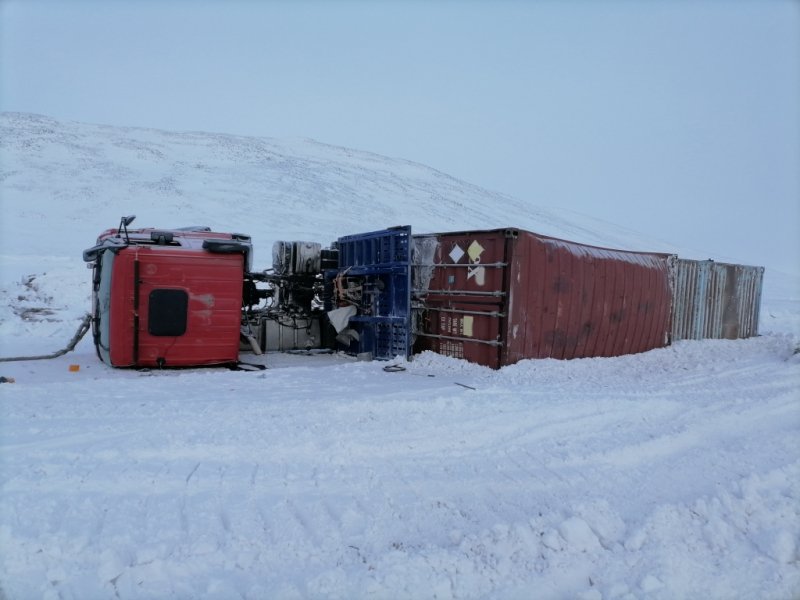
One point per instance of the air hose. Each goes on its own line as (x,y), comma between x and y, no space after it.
(82,329)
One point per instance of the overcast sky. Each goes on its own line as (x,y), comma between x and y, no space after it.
(679,119)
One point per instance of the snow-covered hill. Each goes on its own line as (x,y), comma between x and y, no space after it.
(670,474)
(81,178)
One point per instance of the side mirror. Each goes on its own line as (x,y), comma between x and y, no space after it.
(123,226)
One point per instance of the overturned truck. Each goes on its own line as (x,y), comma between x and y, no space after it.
(190,297)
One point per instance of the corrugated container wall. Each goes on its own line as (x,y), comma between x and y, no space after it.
(715,300)
(500,296)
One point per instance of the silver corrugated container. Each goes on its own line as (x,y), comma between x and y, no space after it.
(714,300)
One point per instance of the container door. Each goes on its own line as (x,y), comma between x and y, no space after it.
(460,292)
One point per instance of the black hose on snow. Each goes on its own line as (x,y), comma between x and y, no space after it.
(84,327)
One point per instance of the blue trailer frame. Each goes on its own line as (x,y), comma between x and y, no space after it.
(378,266)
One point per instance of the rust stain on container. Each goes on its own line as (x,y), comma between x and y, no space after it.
(499,296)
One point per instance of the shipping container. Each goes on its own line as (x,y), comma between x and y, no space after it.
(715,300)
(499,296)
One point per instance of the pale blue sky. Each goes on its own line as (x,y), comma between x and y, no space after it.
(679,119)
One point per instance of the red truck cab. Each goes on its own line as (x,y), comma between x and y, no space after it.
(168,298)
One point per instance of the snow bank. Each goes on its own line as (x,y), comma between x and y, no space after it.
(669,474)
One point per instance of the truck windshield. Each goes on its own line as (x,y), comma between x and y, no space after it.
(102,305)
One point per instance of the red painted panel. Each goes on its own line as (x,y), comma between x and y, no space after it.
(617,326)
(546,335)
(464,296)
(468,264)
(462,333)
(213,284)
(121,312)
(583,325)
(617,301)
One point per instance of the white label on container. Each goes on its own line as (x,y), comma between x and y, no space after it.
(468,321)
(456,254)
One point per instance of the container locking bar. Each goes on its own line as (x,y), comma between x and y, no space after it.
(460,339)
(458,293)
(494,314)
(466,265)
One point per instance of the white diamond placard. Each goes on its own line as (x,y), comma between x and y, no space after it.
(456,254)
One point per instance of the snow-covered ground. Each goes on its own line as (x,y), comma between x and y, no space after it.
(670,474)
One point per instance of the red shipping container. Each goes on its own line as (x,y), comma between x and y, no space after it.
(497,297)
(168,298)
